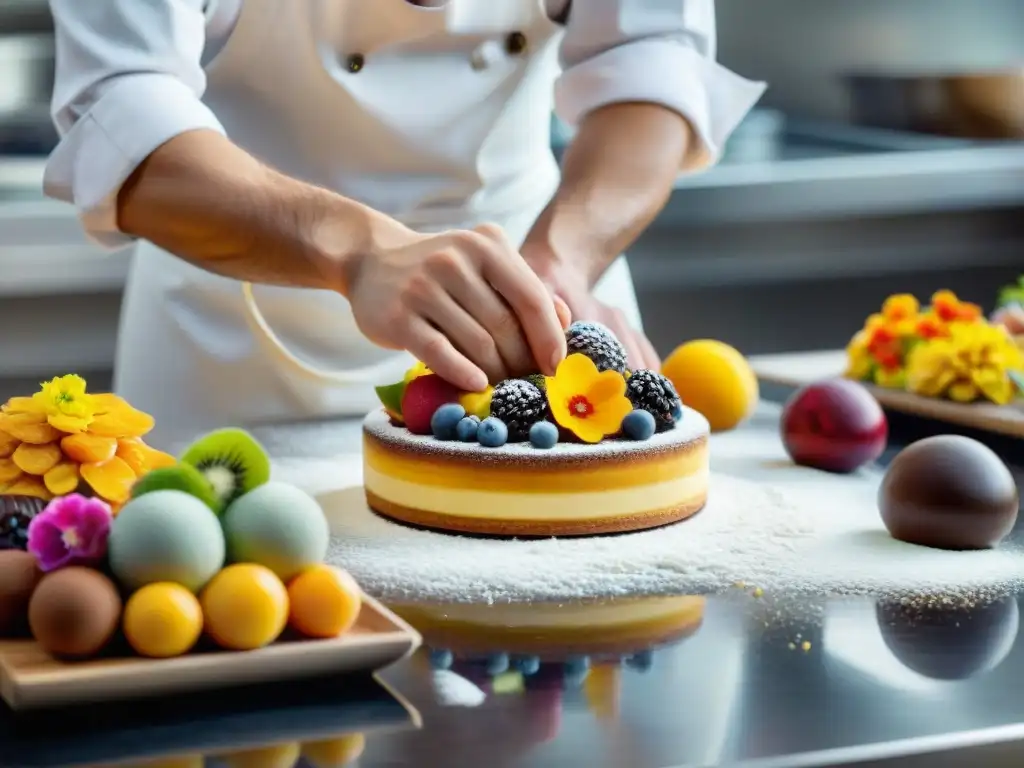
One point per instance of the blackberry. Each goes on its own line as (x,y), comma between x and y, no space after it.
(598,343)
(16,512)
(520,405)
(652,392)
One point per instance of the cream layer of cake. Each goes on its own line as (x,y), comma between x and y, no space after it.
(589,627)
(571,489)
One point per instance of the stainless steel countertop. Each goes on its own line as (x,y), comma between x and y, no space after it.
(875,685)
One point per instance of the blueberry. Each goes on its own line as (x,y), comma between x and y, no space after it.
(492,433)
(441,659)
(638,425)
(474,418)
(526,665)
(497,664)
(466,429)
(640,661)
(445,419)
(677,412)
(543,435)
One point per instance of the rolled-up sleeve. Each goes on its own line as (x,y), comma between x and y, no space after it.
(128,79)
(655,51)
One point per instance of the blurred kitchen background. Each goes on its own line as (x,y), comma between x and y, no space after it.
(888,155)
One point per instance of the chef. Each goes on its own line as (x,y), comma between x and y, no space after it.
(321,190)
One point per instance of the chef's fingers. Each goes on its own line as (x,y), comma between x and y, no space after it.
(436,352)
(504,329)
(473,339)
(624,332)
(503,267)
(651,358)
(563,312)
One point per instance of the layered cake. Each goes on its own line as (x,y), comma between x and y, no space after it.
(593,449)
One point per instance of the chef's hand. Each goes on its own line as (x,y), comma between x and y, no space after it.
(464,302)
(568,281)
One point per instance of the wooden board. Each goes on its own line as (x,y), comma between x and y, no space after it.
(30,678)
(222,736)
(796,370)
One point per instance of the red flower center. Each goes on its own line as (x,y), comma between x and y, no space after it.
(580,407)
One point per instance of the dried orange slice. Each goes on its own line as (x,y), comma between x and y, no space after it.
(62,479)
(88,449)
(141,457)
(27,485)
(9,471)
(112,479)
(37,459)
(7,445)
(119,419)
(28,428)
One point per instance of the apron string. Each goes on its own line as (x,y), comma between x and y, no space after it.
(372,374)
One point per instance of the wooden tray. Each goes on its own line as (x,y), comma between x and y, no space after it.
(796,370)
(31,679)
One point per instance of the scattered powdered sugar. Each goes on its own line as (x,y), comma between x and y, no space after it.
(798,539)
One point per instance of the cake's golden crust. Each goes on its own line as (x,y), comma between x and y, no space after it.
(535,528)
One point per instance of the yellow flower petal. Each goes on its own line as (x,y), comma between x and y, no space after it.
(605,386)
(577,370)
(558,400)
(586,430)
(609,414)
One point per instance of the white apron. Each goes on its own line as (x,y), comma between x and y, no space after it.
(436,116)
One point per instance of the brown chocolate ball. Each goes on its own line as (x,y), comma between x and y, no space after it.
(948,492)
(19,575)
(74,612)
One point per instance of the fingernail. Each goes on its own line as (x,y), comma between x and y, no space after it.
(558,357)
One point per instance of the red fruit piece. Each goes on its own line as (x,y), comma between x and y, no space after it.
(834,425)
(423,396)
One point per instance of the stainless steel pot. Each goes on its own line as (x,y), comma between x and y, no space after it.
(26,73)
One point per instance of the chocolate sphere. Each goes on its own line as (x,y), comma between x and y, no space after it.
(74,612)
(948,492)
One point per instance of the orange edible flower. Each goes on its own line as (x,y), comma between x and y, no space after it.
(900,306)
(589,403)
(948,307)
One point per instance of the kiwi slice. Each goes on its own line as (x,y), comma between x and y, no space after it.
(232,462)
(181,477)
(390,397)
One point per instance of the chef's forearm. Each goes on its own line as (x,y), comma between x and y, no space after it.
(209,202)
(616,176)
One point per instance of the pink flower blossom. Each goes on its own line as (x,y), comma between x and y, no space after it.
(72,530)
